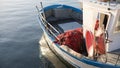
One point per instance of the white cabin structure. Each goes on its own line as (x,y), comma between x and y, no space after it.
(109,19)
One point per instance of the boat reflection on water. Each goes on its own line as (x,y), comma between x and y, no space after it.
(49,59)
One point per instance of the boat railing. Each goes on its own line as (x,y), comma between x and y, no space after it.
(48,26)
(44,21)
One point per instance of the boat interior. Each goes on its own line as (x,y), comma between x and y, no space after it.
(63,19)
(60,20)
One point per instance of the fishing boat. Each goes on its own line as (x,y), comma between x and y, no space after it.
(87,38)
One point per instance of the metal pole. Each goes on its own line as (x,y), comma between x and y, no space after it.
(42,10)
(37,9)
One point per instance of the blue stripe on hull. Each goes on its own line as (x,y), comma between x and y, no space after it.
(62,6)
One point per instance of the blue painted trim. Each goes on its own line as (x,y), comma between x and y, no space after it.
(62,6)
(90,62)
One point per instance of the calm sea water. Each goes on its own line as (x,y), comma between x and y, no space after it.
(20,33)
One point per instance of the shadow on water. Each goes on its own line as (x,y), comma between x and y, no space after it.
(46,63)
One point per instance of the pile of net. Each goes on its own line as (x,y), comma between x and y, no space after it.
(72,38)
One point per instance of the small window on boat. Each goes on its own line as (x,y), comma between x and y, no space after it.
(117,28)
(104,19)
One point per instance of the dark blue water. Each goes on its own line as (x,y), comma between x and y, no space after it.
(19,34)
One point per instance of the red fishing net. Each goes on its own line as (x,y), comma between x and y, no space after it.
(72,38)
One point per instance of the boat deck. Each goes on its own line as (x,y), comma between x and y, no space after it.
(114,57)
(111,57)
(67,24)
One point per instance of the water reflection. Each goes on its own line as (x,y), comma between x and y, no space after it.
(19,34)
(50,58)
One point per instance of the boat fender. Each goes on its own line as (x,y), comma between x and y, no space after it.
(89,43)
